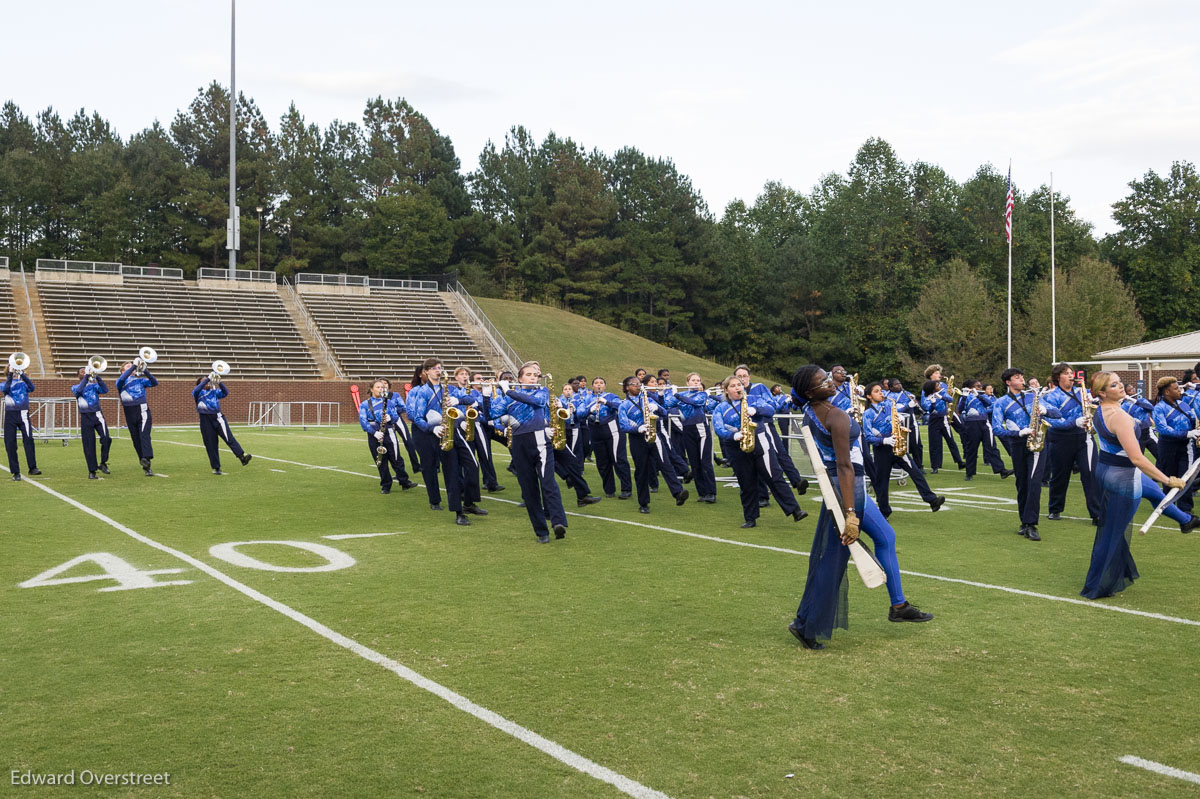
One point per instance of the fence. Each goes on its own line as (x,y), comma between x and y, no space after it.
(86,267)
(57,418)
(314,278)
(284,414)
(164,272)
(241,275)
(480,318)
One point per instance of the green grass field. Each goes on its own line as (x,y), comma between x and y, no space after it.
(653,646)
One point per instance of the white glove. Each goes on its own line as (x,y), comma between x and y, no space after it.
(505,420)
(379,435)
(737,436)
(504,386)
(890,441)
(1011,425)
(453,401)
(1044,408)
(750,410)
(438,430)
(1025,431)
(1080,422)
(641,428)
(1193,435)
(653,406)
(862,392)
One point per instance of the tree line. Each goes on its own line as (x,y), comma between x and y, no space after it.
(884,267)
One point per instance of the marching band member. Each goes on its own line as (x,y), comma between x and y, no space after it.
(1069,443)
(568,461)
(1010,423)
(1178,428)
(582,393)
(937,402)
(799,483)
(697,437)
(468,462)
(608,440)
(1142,410)
(1112,568)
(424,406)
(213,425)
(483,433)
(759,466)
(91,420)
(877,427)
(16,418)
(132,385)
(975,411)
(908,406)
(824,604)
(396,402)
(533,452)
(647,456)
(673,422)
(376,416)
(843,401)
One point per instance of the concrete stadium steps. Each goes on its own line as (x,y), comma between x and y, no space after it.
(188,326)
(390,331)
(10,330)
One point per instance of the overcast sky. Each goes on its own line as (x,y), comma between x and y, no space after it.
(736,94)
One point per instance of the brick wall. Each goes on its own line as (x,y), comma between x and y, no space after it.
(171,400)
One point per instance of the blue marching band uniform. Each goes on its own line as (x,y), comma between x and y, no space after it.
(939,405)
(213,424)
(877,429)
(648,458)
(16,420)
(131,386)
(378,417)
(92,422)
(1178,428)
(759,467)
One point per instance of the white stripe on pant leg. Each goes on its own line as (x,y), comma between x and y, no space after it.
(103,425)
(764,440)
(145,415)
(222,424)
(616,440)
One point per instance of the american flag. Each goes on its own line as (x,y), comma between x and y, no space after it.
(1008,208)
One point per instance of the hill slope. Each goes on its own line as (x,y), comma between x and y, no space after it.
(566,344)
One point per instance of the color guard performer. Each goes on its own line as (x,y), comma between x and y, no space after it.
(533,452)
(608,440)
(91,419)
(878,430)
(131,385)
(1070,443)
(647,455)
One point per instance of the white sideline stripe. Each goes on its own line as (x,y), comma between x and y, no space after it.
(1019,591)
(523,734)
(281,471)
(346,536)
(1159,768)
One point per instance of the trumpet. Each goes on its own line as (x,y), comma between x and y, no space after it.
(95,365)
(219,369)
(18,363)
(145,357)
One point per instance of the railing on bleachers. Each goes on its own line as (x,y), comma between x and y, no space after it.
(318,279)
(85,267)
(497,338)
(158,272)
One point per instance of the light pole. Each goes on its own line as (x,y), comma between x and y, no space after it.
(259,209)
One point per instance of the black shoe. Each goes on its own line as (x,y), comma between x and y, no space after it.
(34,472)
(1032,534)
(495,488)
(520,504)
(543,539)
(687,478)
(149,473)
(104,468)
(16,478)
(654,490)
(387,490)
(800,513)
(474,510)
(1054,516)
(710,499)
(969,477)
(802,486)
(217,472)
(681,497)
(1095,521)
(1007,473)
(612,495)
(961,465)
(933,471)
(92,476)
(1190,524)
(762,503)
(809,643)
(644,509)
(589,500)
(246,456)
(560,531)
(144,463)
(749,524)
(624,495)
(938,502)
(462,520)
(435,507)
(908,612)
(407,484)
(1022,529)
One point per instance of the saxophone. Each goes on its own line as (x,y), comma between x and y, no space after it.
(856,400)
(650,420)
(1038,425)
(1088,404)
(747,428)
(900,433)
(450,416)
(558,416)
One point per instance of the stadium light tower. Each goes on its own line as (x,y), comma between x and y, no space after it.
(259,261)
(232,232)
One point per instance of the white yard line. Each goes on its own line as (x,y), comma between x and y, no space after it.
(747,544)
(1159,768)
(346,536)
(523,734)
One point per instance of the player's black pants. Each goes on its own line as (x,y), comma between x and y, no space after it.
(1029,468)
(939,429)
(568,463)
(757,468)
(482,447)
(1072,448)
(648,460)
(533,463)
(214,426)
(137,421)
(18,421)
(885,459)
(433,458)
(975,434)
(390,459)
(92,425)
(608,448)
(697,440)
(1174,459)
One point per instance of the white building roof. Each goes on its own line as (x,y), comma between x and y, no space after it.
(1186,346)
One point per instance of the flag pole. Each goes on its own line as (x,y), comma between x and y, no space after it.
(1008,215)
(1053,317)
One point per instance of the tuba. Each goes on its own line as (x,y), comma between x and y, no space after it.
(450,417)
(748,427)
(1037,425)
(558,416)
(900,433)
(18,363)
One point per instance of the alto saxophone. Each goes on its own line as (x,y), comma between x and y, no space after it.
(650,419)
(900,433)
(1089,409)
(856,400)
(1037,425)
(558,416)
(747,428)
(450,415)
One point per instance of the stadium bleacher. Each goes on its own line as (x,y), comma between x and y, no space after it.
(10,335)
(390,331)
(188,326)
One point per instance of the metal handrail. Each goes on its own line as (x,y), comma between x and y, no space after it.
(247,275)
(161,272)
(94,267)
(320,279)
(497,338)
(37,345)
(314,329)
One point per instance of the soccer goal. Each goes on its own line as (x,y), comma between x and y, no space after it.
(294,414)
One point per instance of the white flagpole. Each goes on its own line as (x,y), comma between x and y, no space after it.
(1053,318)
(1009,283)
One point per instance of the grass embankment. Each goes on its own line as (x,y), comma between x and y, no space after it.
(568,344)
